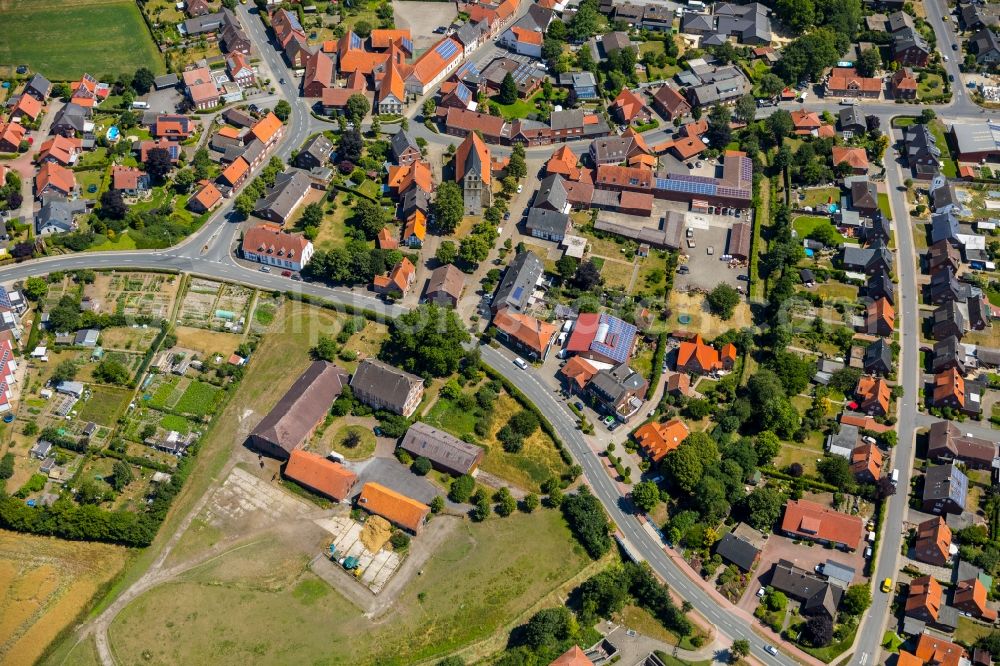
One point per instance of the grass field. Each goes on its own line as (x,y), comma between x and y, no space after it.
(806,224)
(46,583)
(334,439)
(199,399)
(63,39)
(237,613)
(105,405)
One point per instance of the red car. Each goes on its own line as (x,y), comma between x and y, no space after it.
(286,273)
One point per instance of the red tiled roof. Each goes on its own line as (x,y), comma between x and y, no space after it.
(807,120)
(612,174)
(628,104)
(272,240)
(431,63)
(208,195)
(934,539)
(392,84)
(266,128)
(416,226)
(949,385)
(473,143)
(843,79)
(572,657)
(526,36)
(382,38)
(970,596)
(125,178)
(399,278)
(855,157)
(882,310)
(867,458)
(235,171)
(873,392)
(698,356)
(579,371)
(29,106)
(924,597)
(686,147)
(12,133)
(60,148)
(659,439)
(812,520)
(58,176)
(324,476)
(319,71)
(470,121)
(229,132)
(394,507)
(939,651)
(564,162)
(385,240)
(531,332)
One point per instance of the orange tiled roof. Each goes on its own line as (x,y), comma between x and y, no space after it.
(699,356)
(329,478)
(394,507)
(532,333)
(867,458)
(431,63)
(392,84)
(579,371)
(628,104)
(815,521)
(208,195)
(572,657)
(416,226)
(58,176)
(844,79)
(564,162)
(382,38)
(12,133)
(399,278)
(939,651)
(266,128)
(229,132)
(526,36)
(855,157)
(881,309)
(687,147)
(873,391)
(271,239)
(934,534)
(805,120)
(694,128)
(949,385)
(235,171)
(29,106)
(125,178)
(473,143)
(925,596)
(60,148)
(385,240)
(612,174)
(971,594)
(659,439)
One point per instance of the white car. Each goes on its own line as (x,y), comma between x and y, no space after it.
(945,58)
(770,649)
(760,592)
(520,188)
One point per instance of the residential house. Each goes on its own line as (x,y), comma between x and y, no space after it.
(950,391)
(902,84)
(922,152)
(985,46)
(58,215)
(474,174)
(946,443)
(855,158)
(320,475)
(405,150)
(445,451)
(55,179)
(658,439)
(572,657)
(26,107)
(851,121)
(804,519)
(670,103)
(870,260)
(234,174)
(382,386)
(284,197)
(603,338)
(318,75)
(205,198)
(38,87)
(304,406)
(948,353)
(434,65)
(949,319)
(932,649)
(945,490)
(878,358)
(292,37)
(945,286)
(738,243)
(698,358)
(397,281)
(71,120)
(866,463)
(909,48)
(565,163)
(271,245)
(880,286)
(240,70)
(268,130)
(398,509)
(173,127)
(88,91)
(316,153)
(445,286)
(970,597)
(60,150)
(130,181)
(201,88)
(873,395)
(846,82)
(818,597)
(526,35)
(749,24)
(741,547)
(619,391)
(943,254)
(547,224)
(524,333)
(11,136)
(516,290)
(924,600)
(864,196)
(630,107)
(577,373)
(582,85)
(933,544)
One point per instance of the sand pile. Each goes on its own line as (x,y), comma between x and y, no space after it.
(375,533)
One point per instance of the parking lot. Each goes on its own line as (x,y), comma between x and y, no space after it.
(422,18)
(705,270)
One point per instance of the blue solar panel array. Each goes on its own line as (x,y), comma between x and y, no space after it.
(446,49)
(463,93)
(522,73)
(5,299)
(355,41)
(408,44)
(468,69)
(673,185)
(293,21)
(621,334)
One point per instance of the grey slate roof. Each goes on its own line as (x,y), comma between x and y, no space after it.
(942,482)
(878,356)
(441,448)
(400,141)
(71,115)
(519,282)
(806,587)
(319,147)
(39,85)
(58,213)
(391,384)
(551,194)
(285,195)
(165,81)
(547,221)
(852,119)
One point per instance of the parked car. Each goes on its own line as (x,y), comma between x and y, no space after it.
(297,277)
(265,269)
(710,250)
(578,405)
(761,592)
(614,426)
(521,363)
(286,273)
(954,47)
(683,269)
(951,77)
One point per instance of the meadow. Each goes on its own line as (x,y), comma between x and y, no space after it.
(63,39)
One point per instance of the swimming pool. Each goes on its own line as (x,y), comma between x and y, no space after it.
(113,133)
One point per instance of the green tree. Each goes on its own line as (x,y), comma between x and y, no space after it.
(763,507)
(530,502)
(740,649)
(121,475)
(351,145)
(771,85)
(719,131)
(584,24)
(857,599)
(723,300)
(449,207)
(421,466)
(427,341)
(245,204)
(283,110)
(461,489)
(796,14)
(868,62)
(65,371)
(646,495)
(7,466)
(683,467)
(110,371)
(312,216)
(517,167)
(474,249)
(142,80)
(369,217)
(363,29)
(35,288)
(508,90)
(836,471)
(746,108)
(437,504)
(505,502)
(183,180)
(325,350)
(357,108)
(587,520)
(446,252)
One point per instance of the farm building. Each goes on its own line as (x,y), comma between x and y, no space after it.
(320,475)
(398,509)
(446,452)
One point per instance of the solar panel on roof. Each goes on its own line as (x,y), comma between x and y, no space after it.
(446,49)
(516,294)
(355,41)
(408,44)
(463,93)
(5,298)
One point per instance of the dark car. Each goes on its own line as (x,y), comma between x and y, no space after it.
(745,278)
(297,277)
(951,77)
(286,274)
(578,405)
(614,426)
(954,47)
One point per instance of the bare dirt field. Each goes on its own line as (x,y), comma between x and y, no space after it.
(46,583)
(702,320)
(207,342)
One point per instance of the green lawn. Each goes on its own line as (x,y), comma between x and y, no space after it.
(174,422)
(519,108)
(883,205)
(199,399)
(805,224)
(364,449)
(948,166)
(63,39)
(264,608)
(105,405)
(87,178)
(931,86)
(820,196)
(121,242)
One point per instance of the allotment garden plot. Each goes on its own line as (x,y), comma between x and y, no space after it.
(134,294)
(171,403)
(215,305)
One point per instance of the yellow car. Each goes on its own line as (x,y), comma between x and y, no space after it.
(887,585)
